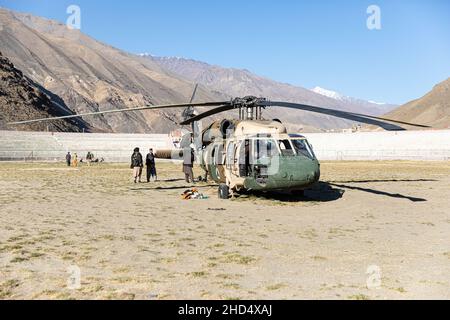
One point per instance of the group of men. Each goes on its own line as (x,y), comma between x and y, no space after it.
(73,160)
(137,164)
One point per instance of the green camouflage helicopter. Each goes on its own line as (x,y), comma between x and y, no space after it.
(249,153)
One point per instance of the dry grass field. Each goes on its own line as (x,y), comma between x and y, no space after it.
(144,242)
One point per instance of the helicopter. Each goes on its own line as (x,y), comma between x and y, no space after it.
(249,153)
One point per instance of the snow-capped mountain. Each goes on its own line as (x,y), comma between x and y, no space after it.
(145,54)
(329,93)
(240,82)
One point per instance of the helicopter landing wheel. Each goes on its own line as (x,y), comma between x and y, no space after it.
(224,191)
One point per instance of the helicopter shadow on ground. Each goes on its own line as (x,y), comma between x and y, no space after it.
(386,180)
(380,192)
(152,186)
(332,191)
(320,192)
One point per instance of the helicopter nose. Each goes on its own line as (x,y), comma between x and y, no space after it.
(308,176)
(314,175)
(298,171)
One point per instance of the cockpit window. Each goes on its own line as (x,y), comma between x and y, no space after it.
(286,147)
(302,148)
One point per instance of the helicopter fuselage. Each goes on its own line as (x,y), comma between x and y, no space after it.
(258,155)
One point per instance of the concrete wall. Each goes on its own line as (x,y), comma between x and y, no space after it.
(384,145)
(407,145)
(54,146)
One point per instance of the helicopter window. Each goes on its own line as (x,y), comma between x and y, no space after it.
(218,157)
(286,148)
(230,154)
(244,158)
(302,148)
(265,148)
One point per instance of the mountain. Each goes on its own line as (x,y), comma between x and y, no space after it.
(433,109)
(328,93)
(236,82)
(84,75)
(80,74)
(20,95)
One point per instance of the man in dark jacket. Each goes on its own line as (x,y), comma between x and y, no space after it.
(151,166)
(89,158)
(68,159)
(188,164)
(137,165)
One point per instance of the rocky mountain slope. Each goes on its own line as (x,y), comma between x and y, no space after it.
(82,75)
(85,75)
(433,109)
(21,96)
(236,82)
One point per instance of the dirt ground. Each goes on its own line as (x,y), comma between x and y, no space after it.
(370,230)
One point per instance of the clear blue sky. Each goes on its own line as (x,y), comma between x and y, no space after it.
(306,43)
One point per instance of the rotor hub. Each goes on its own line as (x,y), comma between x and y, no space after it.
(250,107)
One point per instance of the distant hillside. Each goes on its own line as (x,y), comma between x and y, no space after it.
(85,75)
(237,82)
(22,99)
(433,109)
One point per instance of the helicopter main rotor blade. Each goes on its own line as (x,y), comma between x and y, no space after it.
(331,112)
(167,106)
(193,93)
(223,108)
(367,119)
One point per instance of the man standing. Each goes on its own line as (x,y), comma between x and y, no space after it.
(188,164)
(89,158)
(68,159)
(151,166)
(136,165)
(75,160)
